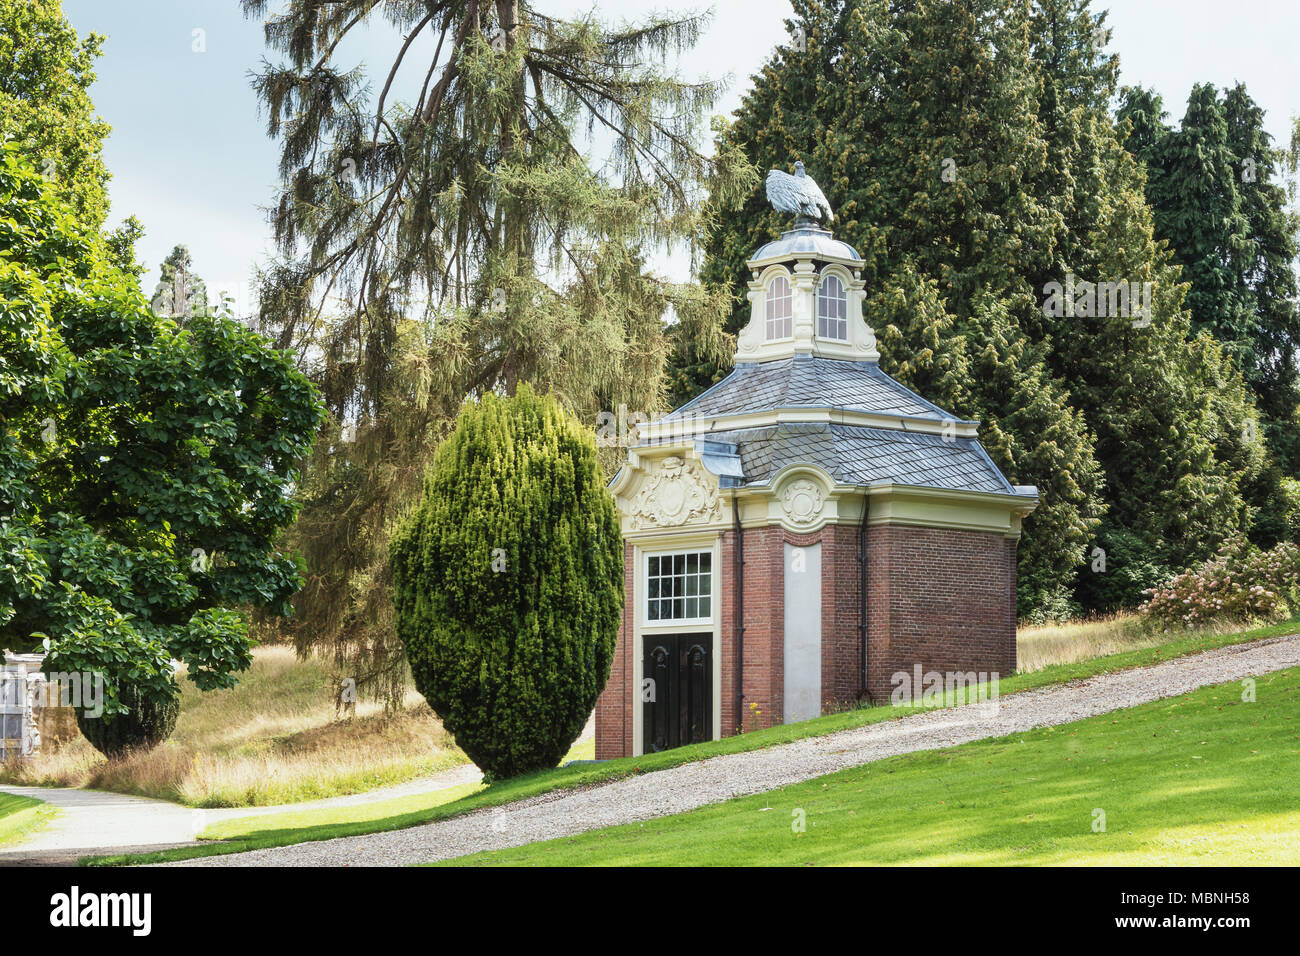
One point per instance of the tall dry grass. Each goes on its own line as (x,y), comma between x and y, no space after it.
(273,739)
(1041,646)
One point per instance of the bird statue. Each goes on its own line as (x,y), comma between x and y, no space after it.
(800,195)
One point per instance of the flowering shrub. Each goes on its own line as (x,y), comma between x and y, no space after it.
(1239,583)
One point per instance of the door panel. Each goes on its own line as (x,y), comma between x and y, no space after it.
(661,715)
(677,700)
(696,689)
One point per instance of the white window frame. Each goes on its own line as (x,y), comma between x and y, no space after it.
(770,301)
(842,303)
(679,622)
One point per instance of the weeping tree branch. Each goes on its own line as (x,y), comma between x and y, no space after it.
(471,247)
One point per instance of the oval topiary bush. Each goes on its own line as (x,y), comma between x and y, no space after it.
(508,582)
(148,723)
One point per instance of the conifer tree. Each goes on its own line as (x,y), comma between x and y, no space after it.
(970,145)
(920,122)
(443,234)
(1134,375)
(180,293)
(1213,185)
(508,582)
(1267,271)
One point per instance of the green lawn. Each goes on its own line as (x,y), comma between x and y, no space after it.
(268,825)
(274,824)
(1199,779)
(19,816)
(325,825)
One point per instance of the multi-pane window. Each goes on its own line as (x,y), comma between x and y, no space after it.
(679,587)
(832,309)
(780,322)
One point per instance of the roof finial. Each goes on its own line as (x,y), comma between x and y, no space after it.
(800,195)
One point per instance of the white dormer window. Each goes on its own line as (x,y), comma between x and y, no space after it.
(832,310)
(780,322)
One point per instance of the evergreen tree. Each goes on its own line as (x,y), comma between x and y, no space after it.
(180,293)
(920,122)
(1133,374)
(508,582)
(457,242)
(1213,185)
(1198,210)
(1267,272)
(971,144)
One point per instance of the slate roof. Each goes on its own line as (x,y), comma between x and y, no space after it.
(851,454)
(806,381)
(856,455)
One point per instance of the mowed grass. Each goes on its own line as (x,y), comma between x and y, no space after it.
(1202,779)
(20,816)
(271,825)
(365,813)
(325,825)
(275,738)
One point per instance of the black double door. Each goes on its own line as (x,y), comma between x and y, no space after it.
(677,690)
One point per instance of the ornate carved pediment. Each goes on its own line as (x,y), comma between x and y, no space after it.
(672,494)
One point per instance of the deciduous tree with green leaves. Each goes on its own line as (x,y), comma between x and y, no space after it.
(46,71)
(145,470)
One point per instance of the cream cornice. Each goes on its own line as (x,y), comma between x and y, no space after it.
(852,266)
(692,426)
(838,503)
(1022,503)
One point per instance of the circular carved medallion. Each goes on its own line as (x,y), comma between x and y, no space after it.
(802,500)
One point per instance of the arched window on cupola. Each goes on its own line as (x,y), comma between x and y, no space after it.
(780,321)
(832,309)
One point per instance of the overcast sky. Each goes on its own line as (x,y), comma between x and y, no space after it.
(190,156)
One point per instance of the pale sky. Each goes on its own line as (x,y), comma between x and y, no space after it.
(190,156)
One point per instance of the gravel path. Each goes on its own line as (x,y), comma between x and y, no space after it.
(678,789)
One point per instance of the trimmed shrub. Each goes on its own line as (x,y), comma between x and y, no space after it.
(148,722)
(508,582)
(1240,583)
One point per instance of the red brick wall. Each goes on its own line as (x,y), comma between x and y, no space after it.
(725,653)
(943,599)
(614,706)
(764,614)
(841,615)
